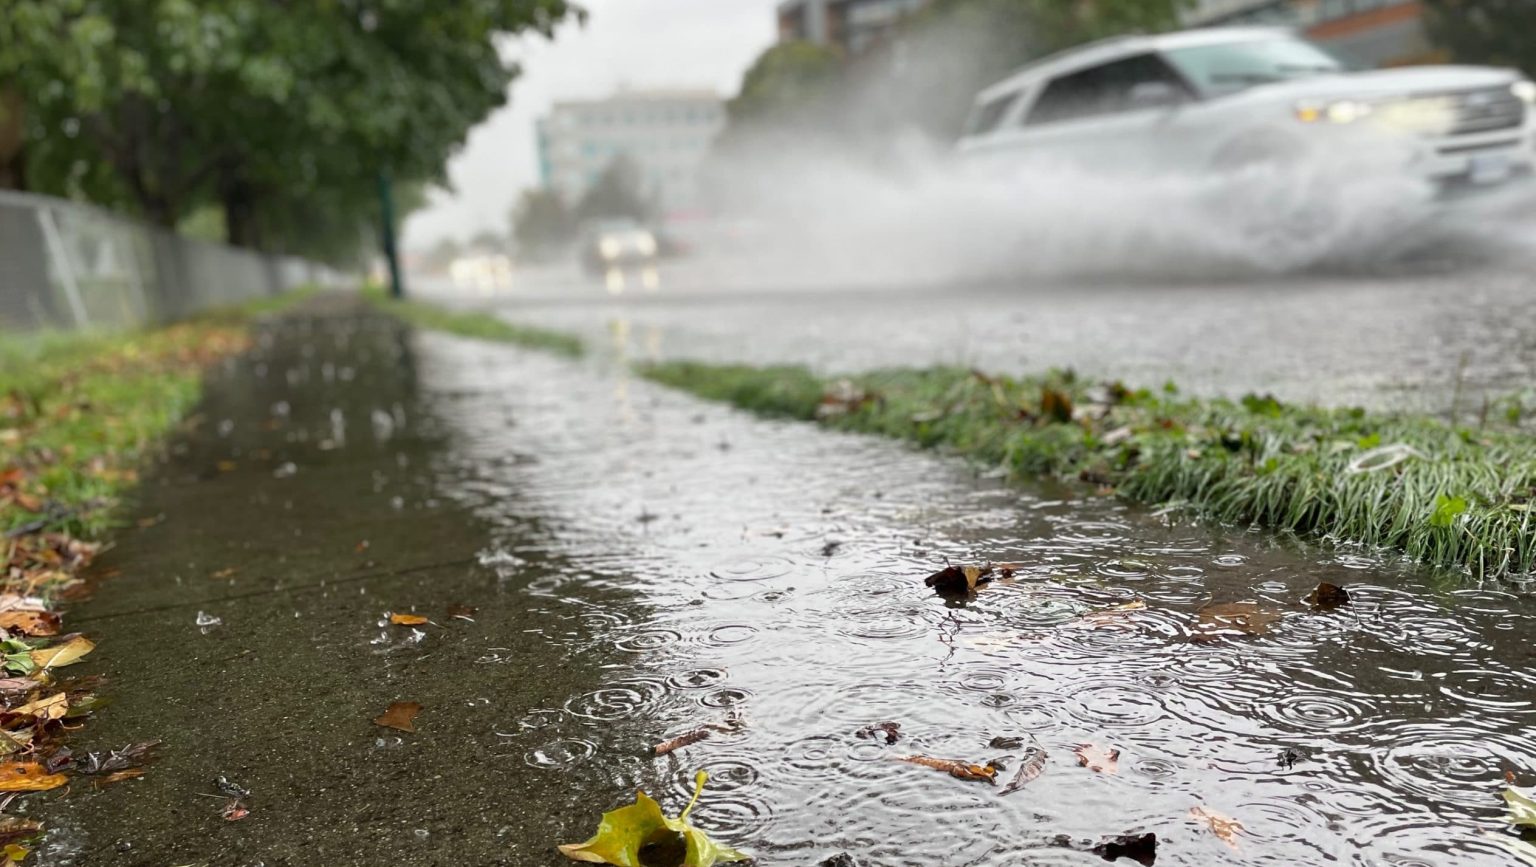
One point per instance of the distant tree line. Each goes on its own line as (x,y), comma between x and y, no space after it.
(1496,32)
(544,224)
(279,116)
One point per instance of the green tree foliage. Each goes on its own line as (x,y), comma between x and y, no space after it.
(542,224)
(281,113)
(785,79)
(1496,32)
(618,194)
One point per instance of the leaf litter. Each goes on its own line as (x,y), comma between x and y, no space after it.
(640,834)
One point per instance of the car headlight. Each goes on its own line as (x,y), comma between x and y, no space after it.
(1526,90)
(1338,111)
(610,248)
(646,244)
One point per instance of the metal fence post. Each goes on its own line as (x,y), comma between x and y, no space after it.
(56,248)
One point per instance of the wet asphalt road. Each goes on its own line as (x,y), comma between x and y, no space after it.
(1430,336)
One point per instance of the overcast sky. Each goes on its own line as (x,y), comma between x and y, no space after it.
(625,43)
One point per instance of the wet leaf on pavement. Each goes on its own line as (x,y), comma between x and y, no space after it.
(60,655)
(234,811)
(1032,766)
(1522,806)
(13,828)
(126,774)
(890,732)
(667,747)
(1141,848)
(1219,620)
(407,619)
(959,580)
(1224,827)
(641,834)
(1326,597)
(1113,617)
(117,760)
(1097,758)
(51,708)
(14,685)
(1519,848)
(399,716)
(34,623)
(28,777)
(957,768)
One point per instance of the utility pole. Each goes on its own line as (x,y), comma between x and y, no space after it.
(391,252)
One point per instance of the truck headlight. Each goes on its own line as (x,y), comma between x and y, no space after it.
(646,244)
(610,248)
(1526,90)
(1337,111)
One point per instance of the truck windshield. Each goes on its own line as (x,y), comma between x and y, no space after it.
(1232,66)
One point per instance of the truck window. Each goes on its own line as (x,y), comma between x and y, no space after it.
(1101,90)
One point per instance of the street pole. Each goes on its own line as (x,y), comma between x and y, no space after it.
(391,252)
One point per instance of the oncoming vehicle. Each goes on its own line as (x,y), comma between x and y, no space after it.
(616,244)
(1231,98)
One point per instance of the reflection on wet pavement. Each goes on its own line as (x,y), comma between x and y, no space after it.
(643,564)
(780,571)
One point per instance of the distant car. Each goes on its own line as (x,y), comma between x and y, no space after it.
(1230,98)
(617,245)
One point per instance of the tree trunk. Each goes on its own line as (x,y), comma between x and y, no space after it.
(13,139)
(242,227)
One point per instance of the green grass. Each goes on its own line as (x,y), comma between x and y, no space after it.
(1442,494)
(477,325)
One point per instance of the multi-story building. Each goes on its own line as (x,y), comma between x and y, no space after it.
(852,25)
(1372,32)
(665,134)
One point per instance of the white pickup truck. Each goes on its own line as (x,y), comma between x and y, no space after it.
(1226,98)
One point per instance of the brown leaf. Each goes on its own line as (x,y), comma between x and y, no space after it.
(1113,617)
(958,580)
(225,573)
(234,811)
(34,623)
(1033,765)
(13,828)
(399,716)
(960,770)
(1326,597)
(1219,620)
(13,685)
(66,653)
(1097,758)
(407,619)
(890,732)
(668,747)
(1225,828)
(28,777)
(1055,405)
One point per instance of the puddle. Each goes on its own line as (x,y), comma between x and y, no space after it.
(643,564)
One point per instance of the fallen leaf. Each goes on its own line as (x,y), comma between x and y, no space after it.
(119,776)
(28,777)
(668,747)
(1220,620)
(407,619)
(461,612)
(50,708)
(34,623)
(960,770)
(1326,597)
(225,573)
(399,716)
(958,580)
(117,760)
(1055,405)
(60,655)
(1113,617)
(1141,848)
(1225,828)
(890,732)
(1522,806)
(1515,846)
(234,811)
(1032,766)
(13,685)
(227,466)
(1096,758)
(641,834)
(13,828)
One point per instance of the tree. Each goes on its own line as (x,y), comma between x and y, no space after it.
(281,113)
(617,194)
(1496,32)
(541,223)
(785,79)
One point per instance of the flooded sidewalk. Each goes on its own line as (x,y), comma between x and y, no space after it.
(605,564)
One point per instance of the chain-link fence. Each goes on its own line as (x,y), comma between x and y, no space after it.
(64,265)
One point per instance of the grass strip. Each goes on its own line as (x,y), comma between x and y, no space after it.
(1446,495)
(477,325)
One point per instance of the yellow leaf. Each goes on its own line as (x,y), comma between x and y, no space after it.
(407,619)
(16,852)
(52,707)
(28,777)
(1224,827)
(624,833)
(68,653)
